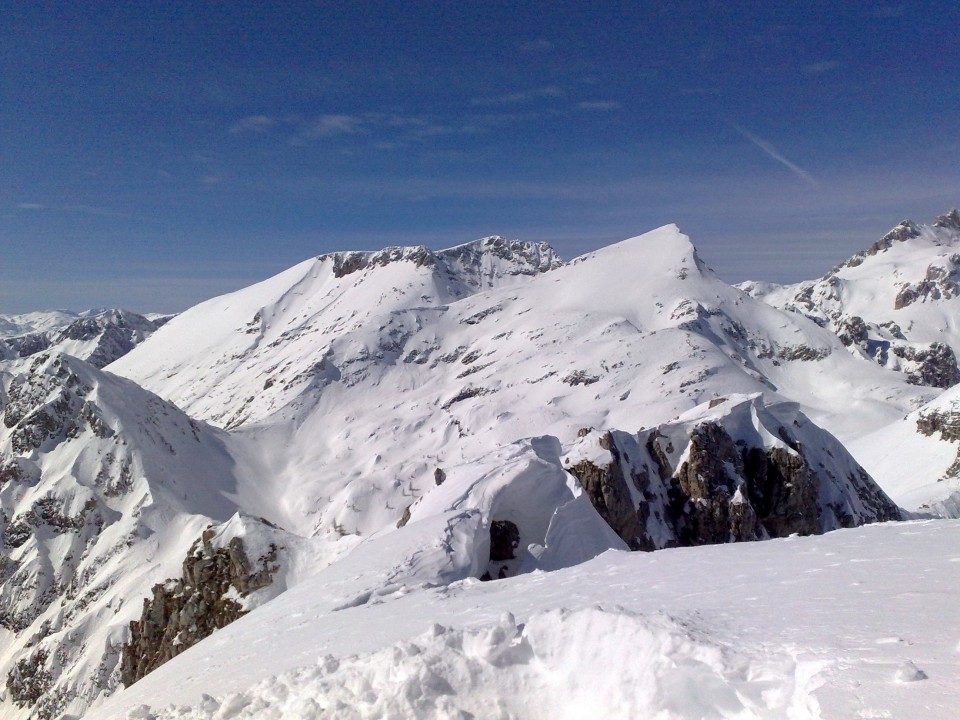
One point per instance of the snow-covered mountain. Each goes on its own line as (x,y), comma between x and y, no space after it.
(354,396)
(407,420)
(896,303)
(98,336)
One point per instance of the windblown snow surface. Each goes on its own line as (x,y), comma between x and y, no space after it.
(857,623)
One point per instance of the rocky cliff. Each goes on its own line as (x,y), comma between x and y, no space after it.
(183,611)
(728,471)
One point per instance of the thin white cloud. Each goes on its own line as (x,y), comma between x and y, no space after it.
(253,123)
(598,105)
(30,206)
(770,150)
(479,124)
(93,210)
(539,45)
(819,68)
(331,125)
(522,96)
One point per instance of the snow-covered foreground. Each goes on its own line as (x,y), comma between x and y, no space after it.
(858,623)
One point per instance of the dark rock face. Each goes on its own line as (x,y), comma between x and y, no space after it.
(783,492)
(951,220)
(947,424)
(779,497)
(607,489)
(940,283)
(44,407)
(526,258)
(29,680)
(722,491)
(25,345)
(182,612)
(852,331)
(937,365)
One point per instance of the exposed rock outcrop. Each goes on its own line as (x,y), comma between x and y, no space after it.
(934,365)
(606,486)
(730,472)
(206,598)
(947,424)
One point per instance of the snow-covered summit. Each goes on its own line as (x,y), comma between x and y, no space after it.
(482,263)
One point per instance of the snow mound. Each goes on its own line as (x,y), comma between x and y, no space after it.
(556,665)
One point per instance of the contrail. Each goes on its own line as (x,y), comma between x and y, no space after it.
(775,154)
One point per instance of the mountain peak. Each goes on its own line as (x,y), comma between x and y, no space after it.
(516,257)
(950,220)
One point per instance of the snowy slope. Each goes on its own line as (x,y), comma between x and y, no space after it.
(354,400)
(854,624)
(104,488)
(917,459)
(240,356)
(896,303)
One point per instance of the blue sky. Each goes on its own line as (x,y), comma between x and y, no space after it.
(155,154)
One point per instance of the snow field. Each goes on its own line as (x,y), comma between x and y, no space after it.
(558,665)
(857,623)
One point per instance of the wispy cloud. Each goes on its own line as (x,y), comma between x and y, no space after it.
(73,208)
(253,124)
(93,210)
(540,45)
(598,105)
(521,96)
(483,123)
(329,125)
(390,131)
(818,68)
(770,150)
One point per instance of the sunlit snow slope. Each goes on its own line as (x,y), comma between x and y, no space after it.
(853,624)
(354,389)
